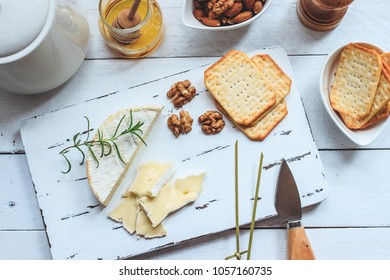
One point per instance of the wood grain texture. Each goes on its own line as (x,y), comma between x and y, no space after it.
(357,209)
(355,200)
(18,202)
(97,78)
(100,77)
(354,211)
(269,29)
(299,247)
(268,244)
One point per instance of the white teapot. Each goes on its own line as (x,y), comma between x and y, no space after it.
(42,44)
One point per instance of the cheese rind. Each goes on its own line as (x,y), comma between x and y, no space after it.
(151,177)
(172,198)
(105,178)
(126,212)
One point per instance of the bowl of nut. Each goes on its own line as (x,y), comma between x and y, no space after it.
(218,15)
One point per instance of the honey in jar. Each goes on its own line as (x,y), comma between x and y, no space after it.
(135,42)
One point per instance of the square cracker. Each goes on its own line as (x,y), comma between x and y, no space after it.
(381,115)
(386,59)
(242,90)
(279,79)
(262,128)
(382,98)
(355,82)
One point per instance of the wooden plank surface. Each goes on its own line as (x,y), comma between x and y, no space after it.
(69,194)
(357,208)
(100,77)
(355,200)
(268,244)
(279,26)
(354,212)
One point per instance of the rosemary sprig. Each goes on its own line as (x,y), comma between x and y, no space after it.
(107,145)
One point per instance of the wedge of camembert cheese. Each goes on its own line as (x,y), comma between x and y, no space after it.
(171,198)
(151,177)
(105,179)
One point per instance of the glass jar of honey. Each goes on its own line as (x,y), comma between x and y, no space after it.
(135,42)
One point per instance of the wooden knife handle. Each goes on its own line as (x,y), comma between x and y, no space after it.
(299,247)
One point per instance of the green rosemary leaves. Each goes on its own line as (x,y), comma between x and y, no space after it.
(107,144)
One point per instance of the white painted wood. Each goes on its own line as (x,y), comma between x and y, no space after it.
(268,244)
(328,244)
(18,203)
(99,77)
(68,195)
(355,200)
(24,245)
(280,25)
(94,78)
(359,189)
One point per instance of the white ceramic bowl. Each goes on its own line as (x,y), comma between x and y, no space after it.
(360,137)
(190,21)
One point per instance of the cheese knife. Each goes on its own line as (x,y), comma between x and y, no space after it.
(288,206)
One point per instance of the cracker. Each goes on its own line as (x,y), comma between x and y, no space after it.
(382,98)
(381,115)
(355,82)
(261,129)
(242,90)
(279,79)
(386,59)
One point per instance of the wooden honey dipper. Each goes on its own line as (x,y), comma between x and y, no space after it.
(128,18)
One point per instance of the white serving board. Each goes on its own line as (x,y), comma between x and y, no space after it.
(77,226)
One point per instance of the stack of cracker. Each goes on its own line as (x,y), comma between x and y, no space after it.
(361,89)
(249,91)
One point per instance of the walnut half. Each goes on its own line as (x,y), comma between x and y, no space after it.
(212,122)
(181,93)
(182,125)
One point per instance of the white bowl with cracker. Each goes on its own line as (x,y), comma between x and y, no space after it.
(363,127)
(190,20)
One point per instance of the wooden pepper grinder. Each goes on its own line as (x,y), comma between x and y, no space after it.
(322,15)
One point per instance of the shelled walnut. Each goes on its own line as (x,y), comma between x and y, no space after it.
(181,93)
(212,122)
(218,7)
(216,13)
(182,125)
(186,122)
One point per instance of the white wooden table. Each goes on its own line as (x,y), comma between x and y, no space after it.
(352,223)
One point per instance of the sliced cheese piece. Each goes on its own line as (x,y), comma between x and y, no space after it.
(144,227)
(172,198)
(105,178)
(151,177)
(126,212)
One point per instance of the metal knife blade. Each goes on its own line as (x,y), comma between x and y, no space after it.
(288,206)
(288,202)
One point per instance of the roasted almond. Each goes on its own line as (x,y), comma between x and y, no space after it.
(235,10)
(242,16)
(212,15)
(211,22)
(257,7)
(248,4)
(198,14)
